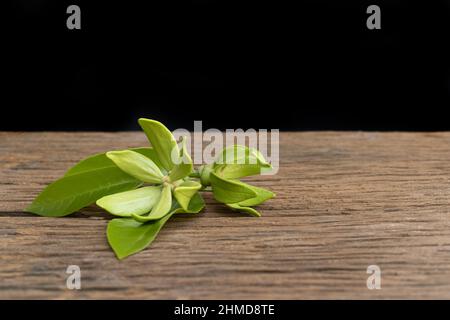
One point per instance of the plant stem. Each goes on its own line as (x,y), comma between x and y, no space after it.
(195,174)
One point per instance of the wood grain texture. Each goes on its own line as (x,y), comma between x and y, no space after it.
(344,201)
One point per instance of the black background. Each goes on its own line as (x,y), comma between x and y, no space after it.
(303,65)
(164,309)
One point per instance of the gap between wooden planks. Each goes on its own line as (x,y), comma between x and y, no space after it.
(345,200)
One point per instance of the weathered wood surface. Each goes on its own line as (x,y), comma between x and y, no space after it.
(344,201)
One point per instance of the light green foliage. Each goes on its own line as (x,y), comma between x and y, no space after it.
(162,141)
(229,191)
(127,236)
(185,166)
(162,207)
(124,204)
(147,186)
(136,165)
(240,161)
(185,191)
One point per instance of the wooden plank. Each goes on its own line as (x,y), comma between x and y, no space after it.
(345,200)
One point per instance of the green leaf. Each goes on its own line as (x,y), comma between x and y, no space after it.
(240,161)
(151,154)
(124,204)
(238,154)
(235,171)
(185,166)
(229,191)
(195,205)
(161,208)
(73,192)
(249,210)
(205,174)
(95,162)
(127,236)
(101,161)
(55,202)
(185,191)
(136,165)
(162,140)
(261,196)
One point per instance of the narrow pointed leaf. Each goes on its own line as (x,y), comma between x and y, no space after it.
(124,204)
(195,205)
(162,141)
(238,154)
(229,191)
(249,210)
(161,208)
(73,192)
(261,196)
(101,161)
(236,171)
(164,203)
(185,166)
(127,236)
(136,165)
(245,206)
(185,191)
(240,161)
(151,154)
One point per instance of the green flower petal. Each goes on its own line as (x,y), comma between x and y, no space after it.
(136,165)
(185,166)
(124,204)
(162,140)
(249,210)
(161,208)
(185,191)
(229,191)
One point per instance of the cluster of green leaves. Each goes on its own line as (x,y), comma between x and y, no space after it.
(145,187)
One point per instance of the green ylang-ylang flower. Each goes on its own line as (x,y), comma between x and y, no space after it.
(145,187)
